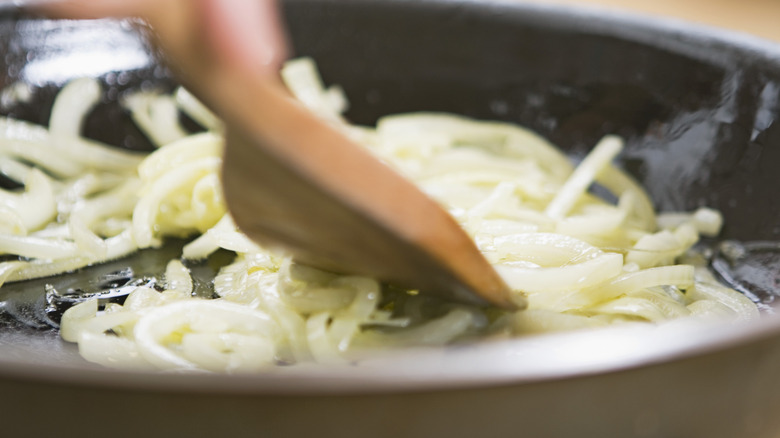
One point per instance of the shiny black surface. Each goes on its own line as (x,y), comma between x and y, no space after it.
(45,54)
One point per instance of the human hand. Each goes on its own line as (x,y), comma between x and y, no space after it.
(242,34)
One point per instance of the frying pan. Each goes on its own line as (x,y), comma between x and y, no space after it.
(698,108)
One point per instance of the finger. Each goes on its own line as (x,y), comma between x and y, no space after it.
(245,34)
(89,9)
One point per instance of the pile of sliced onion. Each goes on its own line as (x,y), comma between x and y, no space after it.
(580,260)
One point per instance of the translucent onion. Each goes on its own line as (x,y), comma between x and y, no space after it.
(72,104)
(527,207)
(196,110)
(161,333)
(600,158)
(157,116)
(571,277)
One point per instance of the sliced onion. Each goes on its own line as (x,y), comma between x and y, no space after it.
(160,333)
(599,158)
(572,277)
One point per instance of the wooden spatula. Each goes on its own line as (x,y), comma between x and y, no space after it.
(293,181)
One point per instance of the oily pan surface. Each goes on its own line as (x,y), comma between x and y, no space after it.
(696,112)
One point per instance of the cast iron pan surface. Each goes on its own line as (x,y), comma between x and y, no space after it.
(698,108)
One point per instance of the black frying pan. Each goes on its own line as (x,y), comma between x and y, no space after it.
(698,108)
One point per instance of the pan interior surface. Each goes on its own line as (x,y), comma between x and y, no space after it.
(697,108)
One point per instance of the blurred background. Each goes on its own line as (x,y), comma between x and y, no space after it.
(758,17)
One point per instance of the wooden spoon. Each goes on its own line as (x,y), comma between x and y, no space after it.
(293,181)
